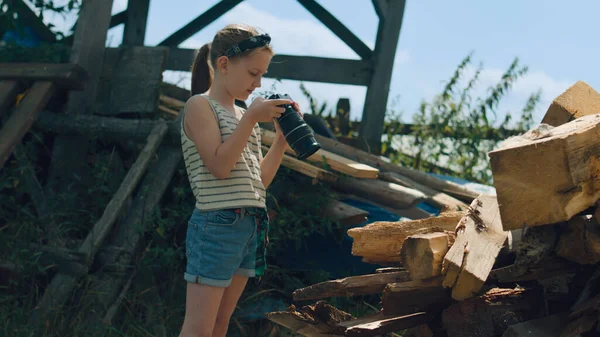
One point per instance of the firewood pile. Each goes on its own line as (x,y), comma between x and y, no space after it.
(522,262)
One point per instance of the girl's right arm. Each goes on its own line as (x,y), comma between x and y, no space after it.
(203,129)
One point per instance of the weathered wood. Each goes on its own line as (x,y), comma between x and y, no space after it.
(548,326)
(338,28)
(61,285)
(131,80)
(332,160)
(68,76)
(378,91)
(8,93)
(438,199)
(130,233)
(350,286)
(115,20)
(548,176)
(545,269)
(377,325)
(422,254)
(317,320)
(32,184)
(382,240)
(493,312)
(385,193)
(380,8)
(578,100)
(199,23)
(292,67)
(23,117)
(580,240)
(478,241)
(306,168)
(414,296)
(134,32)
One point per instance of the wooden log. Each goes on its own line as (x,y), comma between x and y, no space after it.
(385,193)
(65,75)
(479,240)
(382,240)
(17,125)
(350,286)
(379,325)
(578,100)
(550,176)
(306,168)
(8,92)
(317,320)
(422,254)
(62,285)
(402,298)
(580,240)
(548,326)
(134,32)
(438,199)
(493,312)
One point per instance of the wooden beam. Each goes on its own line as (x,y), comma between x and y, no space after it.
(376,100)
(8,92)
(199,22)
(135,26)
(70,76)
(380,8)
(291,67)
(115,20)
(338,28)
(23,117)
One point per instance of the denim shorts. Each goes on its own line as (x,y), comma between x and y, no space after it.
(219,244)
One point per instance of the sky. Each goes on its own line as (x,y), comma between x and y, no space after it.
(554,40)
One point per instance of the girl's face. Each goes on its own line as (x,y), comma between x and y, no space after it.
(243,75)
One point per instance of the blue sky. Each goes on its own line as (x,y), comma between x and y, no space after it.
(558,42)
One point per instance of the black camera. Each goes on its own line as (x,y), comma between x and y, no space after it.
(297,133)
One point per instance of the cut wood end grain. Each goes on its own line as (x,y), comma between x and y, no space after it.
(578,100)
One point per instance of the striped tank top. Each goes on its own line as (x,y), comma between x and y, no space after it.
(243,187)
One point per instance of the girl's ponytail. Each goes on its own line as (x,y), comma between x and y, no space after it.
(201,71)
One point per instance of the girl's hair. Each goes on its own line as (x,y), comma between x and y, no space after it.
(206,58)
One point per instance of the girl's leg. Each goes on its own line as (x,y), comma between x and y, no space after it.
(201,307)
(228,304)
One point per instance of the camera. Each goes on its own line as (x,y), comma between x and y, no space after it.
(297,133)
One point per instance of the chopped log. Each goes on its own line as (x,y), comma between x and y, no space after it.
(549,176)
(385,193)
(580,240)
(479,240)
(382,240)
(318,320)
(64,75)
(578,100)
(422,254)
(336,162)
(438,199)
(548,326)
(493,312)
(402,298)
(17,125)
(8,92)
(129,236)
(350,286)
(378,325)
(62,285)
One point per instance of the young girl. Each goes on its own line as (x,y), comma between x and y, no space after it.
(227,232)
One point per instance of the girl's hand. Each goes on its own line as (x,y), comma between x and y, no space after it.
(265,110)
(278,132)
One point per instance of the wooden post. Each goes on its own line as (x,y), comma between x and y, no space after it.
(87,52)
(135,27)
(383,60)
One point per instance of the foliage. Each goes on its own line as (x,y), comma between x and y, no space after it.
(9,18)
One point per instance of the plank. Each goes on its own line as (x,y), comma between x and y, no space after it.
(332,160)
(403,298)
(62,285)
(350,286)
(384,55)
(8,93)
(172,102)
(68,76)
(17,125)
(306,168)
(578,100)
(422,254)
(134,32)
(115,20)
(293,67)
(549,175)
(380,191)
(344,214)
(199,23)
(377,325)
(338,28)
(479,239)
(316,320)
(382,240)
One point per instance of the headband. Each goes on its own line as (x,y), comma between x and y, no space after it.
(247,44)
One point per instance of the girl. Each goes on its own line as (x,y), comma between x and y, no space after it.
(227,232)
